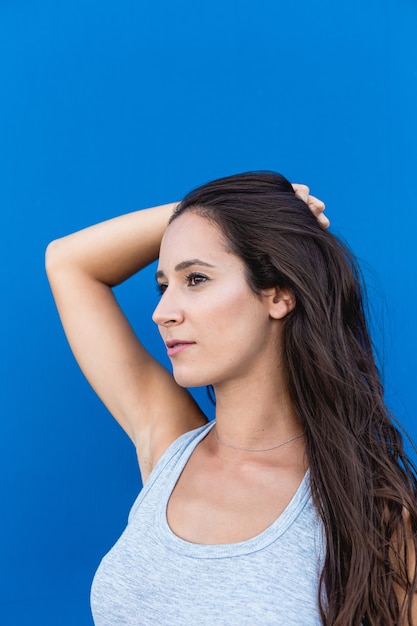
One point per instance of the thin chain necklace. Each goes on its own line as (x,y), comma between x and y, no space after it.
(283,443)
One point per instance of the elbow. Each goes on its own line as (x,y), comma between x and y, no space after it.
(50,255)
(54,257)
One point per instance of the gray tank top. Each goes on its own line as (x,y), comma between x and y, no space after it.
(151,577)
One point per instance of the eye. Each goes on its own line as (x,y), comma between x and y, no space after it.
(161,288)
(195,279)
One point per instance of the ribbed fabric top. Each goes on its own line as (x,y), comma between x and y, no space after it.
(153,577)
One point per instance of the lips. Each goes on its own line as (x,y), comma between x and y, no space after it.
(177,345)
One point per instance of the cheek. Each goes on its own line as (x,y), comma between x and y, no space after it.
(230,313)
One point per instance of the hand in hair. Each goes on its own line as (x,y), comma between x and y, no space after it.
(315,205)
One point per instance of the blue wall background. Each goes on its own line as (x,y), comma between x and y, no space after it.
(111,106)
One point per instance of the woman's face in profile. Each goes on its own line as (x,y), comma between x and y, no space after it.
(216,329)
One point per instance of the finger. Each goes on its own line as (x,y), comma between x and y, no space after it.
(316,205)
(323,220)
(302,191)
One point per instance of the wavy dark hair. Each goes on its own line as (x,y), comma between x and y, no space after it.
(363,484)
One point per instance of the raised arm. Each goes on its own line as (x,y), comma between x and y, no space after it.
(142,395)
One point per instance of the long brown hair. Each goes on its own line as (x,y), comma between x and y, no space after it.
(362,482)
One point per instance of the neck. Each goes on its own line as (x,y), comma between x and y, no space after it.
(255,419)
(269,449)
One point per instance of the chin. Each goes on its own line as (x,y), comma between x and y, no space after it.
(188,380)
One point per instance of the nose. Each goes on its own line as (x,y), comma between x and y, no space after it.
(167,312)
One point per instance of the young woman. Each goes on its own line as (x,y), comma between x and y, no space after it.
(297,505)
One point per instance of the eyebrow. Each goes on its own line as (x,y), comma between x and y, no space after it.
(184,265)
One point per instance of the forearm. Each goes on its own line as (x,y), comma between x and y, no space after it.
(113,250)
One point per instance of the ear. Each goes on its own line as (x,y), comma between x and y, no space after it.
(281,301)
